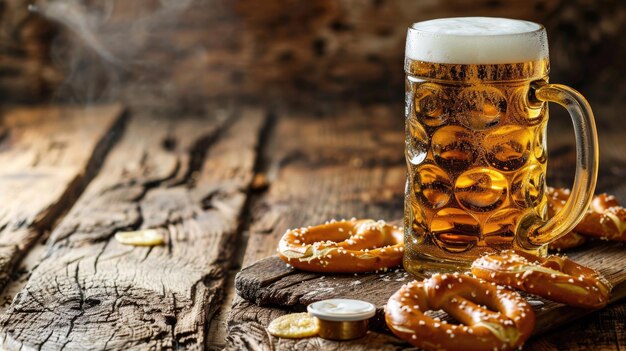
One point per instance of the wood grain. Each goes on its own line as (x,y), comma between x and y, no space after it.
(47,157)
(602,330)
(248,333)
(270,282)
(344,164)
(324,165)
(186,177)
(329,165)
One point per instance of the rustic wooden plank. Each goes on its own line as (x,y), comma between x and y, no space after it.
(270,282)
(603,330)
(345,166)
(331,165)
(217,331)
(90,292)
(248,333)
(320,166)
(216,335)
(48,156)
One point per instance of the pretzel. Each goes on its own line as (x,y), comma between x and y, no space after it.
(568,241)
(461,297)
(605,219)
(353,246)
(554,278)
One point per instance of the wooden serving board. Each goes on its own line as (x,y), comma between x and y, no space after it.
(270,282)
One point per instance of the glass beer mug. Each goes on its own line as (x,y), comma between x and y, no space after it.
(476,115)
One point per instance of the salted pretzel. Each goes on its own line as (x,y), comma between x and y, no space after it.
(504,324)
(352,246)
(605,219)
(556,201)
(555,278)
(568,241)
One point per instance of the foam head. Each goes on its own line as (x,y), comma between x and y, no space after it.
(476,40)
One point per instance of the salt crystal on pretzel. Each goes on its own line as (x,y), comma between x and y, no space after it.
(472,302)
(352,246)
(555,278)
(605,219)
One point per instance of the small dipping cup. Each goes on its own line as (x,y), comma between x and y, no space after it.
(342,319)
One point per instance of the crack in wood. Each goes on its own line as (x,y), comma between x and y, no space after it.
(343,165)
(92,168)
(163,296)
(67,175)
(80,302)
(317,169)
(216,329)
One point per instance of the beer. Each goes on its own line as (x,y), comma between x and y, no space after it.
(475,139)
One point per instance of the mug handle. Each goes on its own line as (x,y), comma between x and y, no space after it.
(586,164)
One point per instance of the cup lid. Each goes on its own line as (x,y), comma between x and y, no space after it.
(342,310)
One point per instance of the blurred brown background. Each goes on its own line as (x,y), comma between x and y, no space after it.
(170,56)
(269,51)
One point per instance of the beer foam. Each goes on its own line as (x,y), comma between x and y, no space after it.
(476,40)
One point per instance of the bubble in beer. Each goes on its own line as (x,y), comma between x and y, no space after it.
(480,107)
(499,228)
(428,99)
(469,86)
(432,185)
(415,218)
(528,186)
(408,98)
(455,230)
(523,110)
(453,147)
(416,141)
(507,148)
(539,144)
(481,189)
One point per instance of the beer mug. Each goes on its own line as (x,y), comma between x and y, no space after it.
(476,115)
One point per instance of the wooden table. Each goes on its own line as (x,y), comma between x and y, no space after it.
(222,186)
